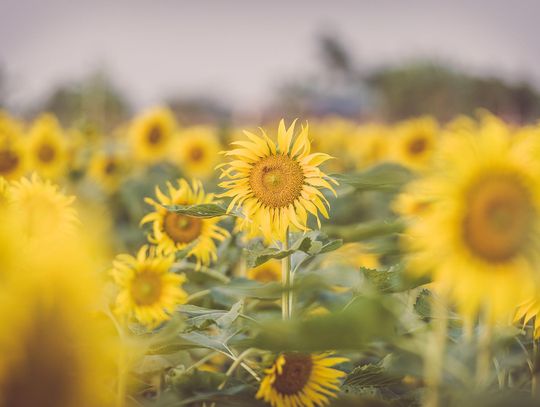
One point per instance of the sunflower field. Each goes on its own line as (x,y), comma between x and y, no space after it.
(289,263)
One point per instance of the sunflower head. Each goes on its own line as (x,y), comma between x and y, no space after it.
(267,272)
(12,151)
(415,142)
(197,151)
(47,147)
(480,232)
(108,170)
(276,185)
(298,379)
(148,291)
(368,145)
(151,134)
(173,231)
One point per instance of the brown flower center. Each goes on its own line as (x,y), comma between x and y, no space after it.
(8,161)
(110,167)
(295,375)
(417,146)
(181,228)
(146,288)
(497,224)
(276,180)
(46,153)
(155,134)
(196,154)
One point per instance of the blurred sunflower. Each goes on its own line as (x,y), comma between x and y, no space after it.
(148,291)
(368,145)
(174,231)
(415,142)
(47,147)
(12,151)
(45,211)
(331,136)
(276,186)
(297,379)
(197,151)
(107,169)
(480,237)
(266,273)
(151,134)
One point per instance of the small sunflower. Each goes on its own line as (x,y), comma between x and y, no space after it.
(174,231)
(12,151)
(197,151)
(107,170)
(151,134)
(47,147)
(45,211)
(267,272)
(415,142)
(276,186)
(481,233)
(148,290)
(368,145)
(298,379)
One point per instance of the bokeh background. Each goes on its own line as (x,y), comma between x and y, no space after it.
(243,60)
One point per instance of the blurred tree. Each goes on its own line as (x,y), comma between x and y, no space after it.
(92,103)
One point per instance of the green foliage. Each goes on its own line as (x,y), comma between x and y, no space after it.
(383,177)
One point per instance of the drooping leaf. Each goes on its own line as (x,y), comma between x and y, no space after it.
(365,230)
(383,177)
(210,210)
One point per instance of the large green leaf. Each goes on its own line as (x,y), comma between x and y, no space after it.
(383,177)
(210,210)
(365,230)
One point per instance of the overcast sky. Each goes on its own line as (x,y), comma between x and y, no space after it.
(238,50)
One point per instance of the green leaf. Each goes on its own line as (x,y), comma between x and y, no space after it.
(210,210)
(386,281)
(384,177)
(243,288)
(311,243)
(365,230)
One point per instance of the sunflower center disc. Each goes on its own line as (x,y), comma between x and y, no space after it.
(196,154)
(154,135)
(277,180)
(46,153)
(497,225)
(295,375)
(8,161)
(181,228)
(417,146)
(146,288)
(110,167)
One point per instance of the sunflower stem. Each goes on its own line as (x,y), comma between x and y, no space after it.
(286,295)
(535,367)
(483,360)
(434,358)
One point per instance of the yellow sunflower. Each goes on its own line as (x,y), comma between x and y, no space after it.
(44,210)
(415,142)
(528,311)
(151,134)
(368,145)
(197,151)
(47,147)
(108,170)
(174,231)
(480,236)
(276,186)
(298,379)
(267,272)
(148,291)
(12,151)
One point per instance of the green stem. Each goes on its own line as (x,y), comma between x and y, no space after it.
(286,295)
(535,366)
(196,295)
(434,358)
(483,360)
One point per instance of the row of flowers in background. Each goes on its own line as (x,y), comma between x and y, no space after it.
(471,225)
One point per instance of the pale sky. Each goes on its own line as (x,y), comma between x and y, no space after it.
(238,50)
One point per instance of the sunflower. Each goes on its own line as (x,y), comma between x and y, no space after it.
(481,233)
(12,151)
(107,169)
(45,211)
(368,145)
(174,231)
(47,147)
(298,379)
(147,290)
(151,134)
(267,272)
(415,142)
(276,186)
(197,151)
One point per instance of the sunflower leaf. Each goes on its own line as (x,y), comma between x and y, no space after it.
(208,210)
(383,177)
